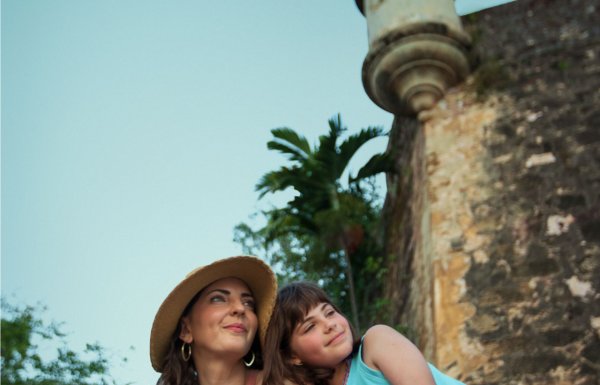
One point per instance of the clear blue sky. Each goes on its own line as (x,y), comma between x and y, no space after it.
(133,133)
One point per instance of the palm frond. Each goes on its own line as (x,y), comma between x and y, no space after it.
(288,135)
(336,128)
(284,221)
(328,143)
(377,164)
(277,180)
(311,201)
(291,151)
(351,145)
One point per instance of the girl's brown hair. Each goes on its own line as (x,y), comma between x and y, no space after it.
(176,371)
(294,301)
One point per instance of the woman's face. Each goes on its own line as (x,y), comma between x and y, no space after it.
(222,321)
(322,339)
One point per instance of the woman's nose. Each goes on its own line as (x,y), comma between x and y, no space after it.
(237,307)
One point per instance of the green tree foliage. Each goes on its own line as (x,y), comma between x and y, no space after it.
(24,364)
(327,233)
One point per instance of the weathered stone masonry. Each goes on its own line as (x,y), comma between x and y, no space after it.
(500,237)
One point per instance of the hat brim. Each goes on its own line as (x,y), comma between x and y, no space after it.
(254,272)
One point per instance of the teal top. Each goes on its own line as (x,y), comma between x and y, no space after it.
(361,374)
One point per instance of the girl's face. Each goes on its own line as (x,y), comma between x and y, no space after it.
(322,339)
(222,320)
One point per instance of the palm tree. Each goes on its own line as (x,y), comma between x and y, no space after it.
(322,209)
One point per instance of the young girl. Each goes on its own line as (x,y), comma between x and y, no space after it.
(309,342)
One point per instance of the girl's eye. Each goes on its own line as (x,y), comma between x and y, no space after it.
(329,311)
(308,328)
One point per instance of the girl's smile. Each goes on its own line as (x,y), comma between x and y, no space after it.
(337,338)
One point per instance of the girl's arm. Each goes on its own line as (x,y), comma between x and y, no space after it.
(395,356)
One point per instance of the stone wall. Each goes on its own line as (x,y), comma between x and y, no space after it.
(501,236)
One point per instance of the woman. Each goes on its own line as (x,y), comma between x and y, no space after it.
(205,330)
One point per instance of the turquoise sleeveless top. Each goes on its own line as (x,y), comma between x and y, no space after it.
(361,374)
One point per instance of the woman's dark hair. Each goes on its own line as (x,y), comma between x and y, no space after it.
(176,371)
(294,301)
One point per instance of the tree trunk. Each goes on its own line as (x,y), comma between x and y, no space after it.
(397,214)
(353,305)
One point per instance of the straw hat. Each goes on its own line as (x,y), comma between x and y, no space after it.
(254,272)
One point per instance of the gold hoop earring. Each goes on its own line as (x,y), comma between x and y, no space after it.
(248,364)
(186,351)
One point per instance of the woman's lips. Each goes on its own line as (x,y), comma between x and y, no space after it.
(236,328)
